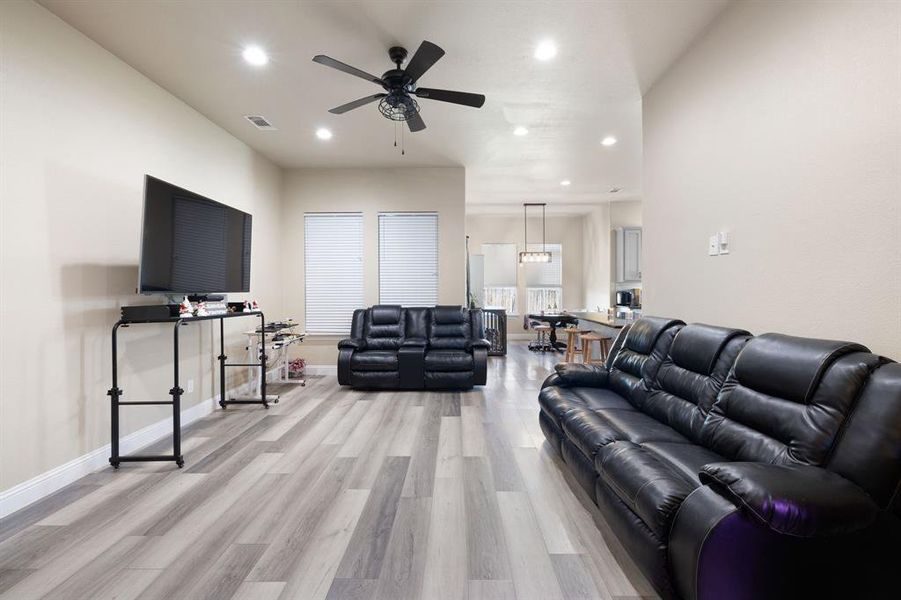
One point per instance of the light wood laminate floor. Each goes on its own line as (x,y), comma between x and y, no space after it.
(333,494)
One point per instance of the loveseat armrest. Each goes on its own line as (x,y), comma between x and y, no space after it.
(797,500)
(415,343)
(479,343)
(578,375)
(352,343)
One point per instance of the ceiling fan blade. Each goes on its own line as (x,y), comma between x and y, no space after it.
(340,110)
(426,56)
(464,98)
(337,64)
(415,123)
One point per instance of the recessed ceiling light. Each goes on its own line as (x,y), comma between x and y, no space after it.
(608,141)
(323,134)
(520,131)
(255,56)
(565,182)
(546,50)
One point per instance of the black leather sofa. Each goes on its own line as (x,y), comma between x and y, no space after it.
(732,466)
(392,347)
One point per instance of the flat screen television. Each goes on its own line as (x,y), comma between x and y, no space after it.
(191,244)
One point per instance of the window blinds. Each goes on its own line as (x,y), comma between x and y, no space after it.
(333,268)
(500,265)
(408,259)
(545,274)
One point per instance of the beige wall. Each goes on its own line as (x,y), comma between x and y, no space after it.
(596,258)
(781,125)
(80,129)
(371,191)
(565,230)
(625,214)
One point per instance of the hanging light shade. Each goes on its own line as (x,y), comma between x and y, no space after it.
(528,256)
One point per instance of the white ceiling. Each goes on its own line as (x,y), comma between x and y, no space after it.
(609,53)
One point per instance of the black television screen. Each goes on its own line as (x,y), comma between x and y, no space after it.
(191,244)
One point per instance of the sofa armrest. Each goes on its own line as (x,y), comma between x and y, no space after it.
(479,343)
(574,374)
(415,343)
(797,500)
(353,343)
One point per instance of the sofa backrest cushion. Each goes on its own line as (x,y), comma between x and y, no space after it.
(417,323)
(868,451)
(786,399)
(449,328)
(384,327)
(644,348)
(617,344)
(687,382)
(476,324)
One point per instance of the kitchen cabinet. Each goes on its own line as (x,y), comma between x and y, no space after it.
(627,254)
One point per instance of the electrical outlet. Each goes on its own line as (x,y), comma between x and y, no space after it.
(190,386)
(713,245)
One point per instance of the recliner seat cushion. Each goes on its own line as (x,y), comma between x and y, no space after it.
(556,402)
(448,360)
(589,430)
(374,360)
(651,487)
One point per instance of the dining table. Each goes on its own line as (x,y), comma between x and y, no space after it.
(554,320)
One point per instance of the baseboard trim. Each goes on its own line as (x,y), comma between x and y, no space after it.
(321,369)
(41,486)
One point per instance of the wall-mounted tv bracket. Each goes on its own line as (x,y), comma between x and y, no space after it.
(115,393)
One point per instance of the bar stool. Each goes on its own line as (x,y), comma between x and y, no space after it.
(572,335)
(603,347)
(540,344)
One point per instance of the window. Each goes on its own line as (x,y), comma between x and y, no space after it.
(408,259)
(500,276)
(544,281)
(333,269)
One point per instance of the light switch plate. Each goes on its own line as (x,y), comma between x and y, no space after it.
(713,245)
(723,239)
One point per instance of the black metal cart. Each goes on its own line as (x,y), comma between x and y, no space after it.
(115,393)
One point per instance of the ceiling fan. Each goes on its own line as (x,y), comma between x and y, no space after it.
(397,102)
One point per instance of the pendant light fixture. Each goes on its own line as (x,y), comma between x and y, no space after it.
(533,257)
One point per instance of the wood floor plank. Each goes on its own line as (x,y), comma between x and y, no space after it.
(10,577)
(449,458)
(87,504)
(342,431)
(491,589)
(546,502)
(533,573)
(312,578)
(366,551)
(128,585)
(421,476)
(224,578)
(369,463)
(487,547)
(445,576)
(259,590)
(352,589)
(574,579)
(404,564)
(99,574)
(473,431)
(28,516)
(366,428)
(404,442)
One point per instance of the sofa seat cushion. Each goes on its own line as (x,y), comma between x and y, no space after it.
(650,486)
(448,360)
(558,401)
(687,458)
(374,360)
(589,430)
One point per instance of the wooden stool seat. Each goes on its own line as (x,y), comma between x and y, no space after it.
(572,334)
(603,347)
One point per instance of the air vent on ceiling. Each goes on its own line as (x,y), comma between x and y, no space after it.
(614,190)
(260,122)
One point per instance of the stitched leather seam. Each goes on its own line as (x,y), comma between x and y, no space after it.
(852,413)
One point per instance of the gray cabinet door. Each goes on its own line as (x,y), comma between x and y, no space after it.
(631,254)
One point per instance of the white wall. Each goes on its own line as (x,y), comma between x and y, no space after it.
(371,191)
(78,130)
(782,125)
(596,258)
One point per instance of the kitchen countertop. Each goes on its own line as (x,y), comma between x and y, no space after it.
(599,318)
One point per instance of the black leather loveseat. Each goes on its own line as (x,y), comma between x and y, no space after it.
(732,466)
(414,348)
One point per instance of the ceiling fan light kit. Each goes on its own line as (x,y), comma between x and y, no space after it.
(397,103)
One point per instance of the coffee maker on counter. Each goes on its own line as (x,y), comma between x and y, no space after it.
(629,298)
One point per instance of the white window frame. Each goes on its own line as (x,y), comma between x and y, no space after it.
(543,279)
(408,274)
(333,286)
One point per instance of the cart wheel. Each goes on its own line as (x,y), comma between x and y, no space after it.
(180,463)
(275,401)
(115,466)
(266,405)
(222,405)
(303,384)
